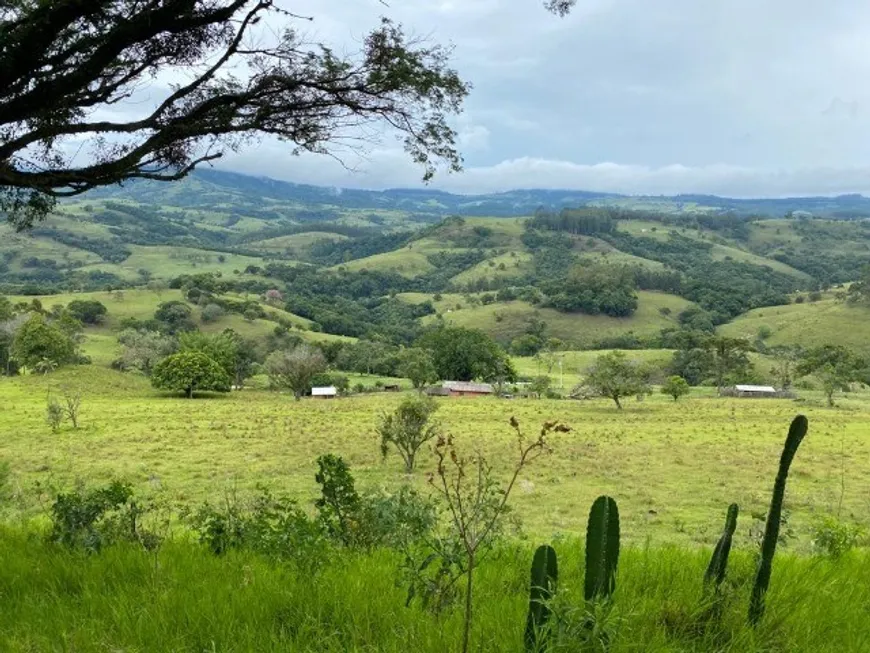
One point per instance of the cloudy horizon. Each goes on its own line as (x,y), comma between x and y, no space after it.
(727,97)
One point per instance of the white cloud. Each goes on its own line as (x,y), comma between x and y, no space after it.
(736,97)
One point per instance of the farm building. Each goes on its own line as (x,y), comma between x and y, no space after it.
(755,391)
(328,392)
(465,389)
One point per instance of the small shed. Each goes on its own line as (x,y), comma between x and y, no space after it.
(467,389)
(327,392)
(755,391)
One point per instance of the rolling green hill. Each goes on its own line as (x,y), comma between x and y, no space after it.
(808,324)
(490,268)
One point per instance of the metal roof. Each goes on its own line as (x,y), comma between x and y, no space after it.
(463,386)
(328,391)
(754,388)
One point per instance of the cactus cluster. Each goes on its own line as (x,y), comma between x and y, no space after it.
(602,552)
(602,558)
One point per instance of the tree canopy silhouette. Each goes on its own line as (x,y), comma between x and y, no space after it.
(66,65)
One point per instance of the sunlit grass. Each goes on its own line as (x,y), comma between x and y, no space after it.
(673,467)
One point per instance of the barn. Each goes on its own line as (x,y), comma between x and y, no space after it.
(466,389)
(753,391)
(327,392)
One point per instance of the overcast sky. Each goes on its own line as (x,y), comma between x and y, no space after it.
(734,97)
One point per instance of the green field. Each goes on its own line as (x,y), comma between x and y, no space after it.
(809,324)
(673,466)
(507,320)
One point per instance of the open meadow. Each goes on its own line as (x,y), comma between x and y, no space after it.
(673,466)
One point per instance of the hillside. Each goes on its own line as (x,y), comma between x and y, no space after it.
(808,324)
(504,275)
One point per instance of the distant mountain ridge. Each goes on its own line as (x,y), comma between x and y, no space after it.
(511,203)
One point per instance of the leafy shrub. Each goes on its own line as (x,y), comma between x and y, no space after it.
(212,313)
(54,414)
(273,526)
(93,519)
(833,537)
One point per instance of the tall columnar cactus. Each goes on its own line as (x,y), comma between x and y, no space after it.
(796,434)
(602,549)
(719,562)
(545,574)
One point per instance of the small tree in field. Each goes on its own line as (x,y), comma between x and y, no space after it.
(188,372)
(408,429)
(614,376)
(676,387)
(417,365)
(295,369)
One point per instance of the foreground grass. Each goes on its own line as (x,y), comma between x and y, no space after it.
(182,599)
(673,467)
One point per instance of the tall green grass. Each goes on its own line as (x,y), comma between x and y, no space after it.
(183,599)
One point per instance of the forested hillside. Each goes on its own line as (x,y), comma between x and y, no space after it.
(605,271)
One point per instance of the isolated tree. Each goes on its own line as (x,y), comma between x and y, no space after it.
(461,354)
(88,311)
(37,341)
(295,369)
(408,428)
(61,60)
(614,376)
(222,348)
(417,365)
(834,366)
(730,362)
(141,350)
(189,372)
(785,360)
(676,387)
(174,317)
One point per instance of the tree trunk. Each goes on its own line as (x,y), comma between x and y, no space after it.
(469,588)
(189,392)
(830,399)
(616,399)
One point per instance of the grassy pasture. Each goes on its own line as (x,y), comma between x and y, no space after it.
(507,320)
(672,466)
(809,324)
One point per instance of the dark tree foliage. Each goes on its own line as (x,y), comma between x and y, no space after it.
(595,289)
(88,311)
(461,354)
(333,252)
(62,59)
(574,221)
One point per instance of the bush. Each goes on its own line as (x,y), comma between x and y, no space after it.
(54,414)
(91,520)
(212,313)
(676,387)
(834,538)
(274,526)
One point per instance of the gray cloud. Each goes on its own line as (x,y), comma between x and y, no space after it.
(735,97)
